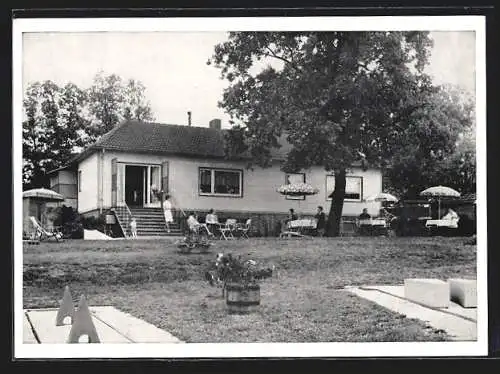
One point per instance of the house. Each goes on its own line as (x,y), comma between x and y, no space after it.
(127,165)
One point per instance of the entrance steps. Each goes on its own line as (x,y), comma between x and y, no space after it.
(151,222)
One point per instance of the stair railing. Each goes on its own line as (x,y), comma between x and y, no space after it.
(123,211)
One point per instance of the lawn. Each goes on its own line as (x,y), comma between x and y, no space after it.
(302,302)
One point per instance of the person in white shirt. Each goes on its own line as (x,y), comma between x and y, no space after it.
(211,217)
(167,212)
(450,215)
(192,222)
(211,221)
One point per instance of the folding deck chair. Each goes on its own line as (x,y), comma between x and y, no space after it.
(242,230)
(228,229)
(43,234)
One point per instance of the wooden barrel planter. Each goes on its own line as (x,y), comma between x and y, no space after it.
(242,299)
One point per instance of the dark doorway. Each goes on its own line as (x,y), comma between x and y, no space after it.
(134,185)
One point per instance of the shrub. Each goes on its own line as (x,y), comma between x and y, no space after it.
(69,221)
(93,223)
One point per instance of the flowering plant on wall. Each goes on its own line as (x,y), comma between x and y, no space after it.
(156,191)
(297,189)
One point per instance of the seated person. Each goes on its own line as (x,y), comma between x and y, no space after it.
(195,226)
(320,221)
(450,215)
(193,223)
(211,220)
(211,217)
(292,216)
(365,215)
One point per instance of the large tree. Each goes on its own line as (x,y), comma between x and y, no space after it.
(53,127)
(60,121)
(437,146)
(338,97)
(112,100)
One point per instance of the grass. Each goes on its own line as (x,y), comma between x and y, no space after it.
(302,302)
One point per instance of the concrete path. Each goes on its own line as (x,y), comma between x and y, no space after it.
(460,323)
(112,325)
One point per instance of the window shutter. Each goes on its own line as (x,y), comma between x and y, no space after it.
(114,170)
(164,177)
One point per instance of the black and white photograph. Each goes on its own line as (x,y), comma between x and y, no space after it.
(307,186)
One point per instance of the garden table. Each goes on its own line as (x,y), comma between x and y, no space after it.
(113,327)
(442,223)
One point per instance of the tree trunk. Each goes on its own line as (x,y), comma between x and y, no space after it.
(335,214)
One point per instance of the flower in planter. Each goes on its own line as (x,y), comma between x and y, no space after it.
(230,269)
(297,189)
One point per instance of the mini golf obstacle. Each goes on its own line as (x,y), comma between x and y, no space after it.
(448,305)
(104,324)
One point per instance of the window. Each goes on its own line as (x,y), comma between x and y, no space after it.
(295,178)
(353,187)
(79,181)
(222,182)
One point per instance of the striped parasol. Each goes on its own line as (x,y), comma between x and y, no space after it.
(43,194)
(383,197)
(439,192)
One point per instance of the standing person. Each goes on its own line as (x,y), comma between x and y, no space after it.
(133,227)
(320,221)
(292,216)
(167,212)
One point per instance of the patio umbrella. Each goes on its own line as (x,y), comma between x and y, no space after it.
(43,194)
(383,197)
(439,192)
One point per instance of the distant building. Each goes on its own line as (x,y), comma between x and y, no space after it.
(128,164)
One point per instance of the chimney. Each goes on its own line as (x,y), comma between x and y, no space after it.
(189,118)
(215,124)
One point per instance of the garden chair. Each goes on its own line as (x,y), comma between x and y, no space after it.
(42,234)
(227,231)
(242,230)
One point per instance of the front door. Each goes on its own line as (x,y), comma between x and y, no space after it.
(153,186)
(134,185)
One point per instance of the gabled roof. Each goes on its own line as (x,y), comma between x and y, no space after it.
(157,138)
(147,137)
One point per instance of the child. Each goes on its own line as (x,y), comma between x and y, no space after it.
(133,227)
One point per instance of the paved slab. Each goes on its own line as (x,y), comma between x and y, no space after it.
(133,328)
(398,291)
(28,336)
(432,292)
(44,323)
(459,325)
(113,326)
(95,235)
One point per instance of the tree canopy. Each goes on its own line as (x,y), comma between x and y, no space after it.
(337,97)
(60,120)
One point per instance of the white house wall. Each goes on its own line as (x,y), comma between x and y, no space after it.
(259,189)
(259,186)
(87,197)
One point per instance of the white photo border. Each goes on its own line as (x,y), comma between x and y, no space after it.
(191,350)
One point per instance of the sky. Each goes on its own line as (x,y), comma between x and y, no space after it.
(172,66)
